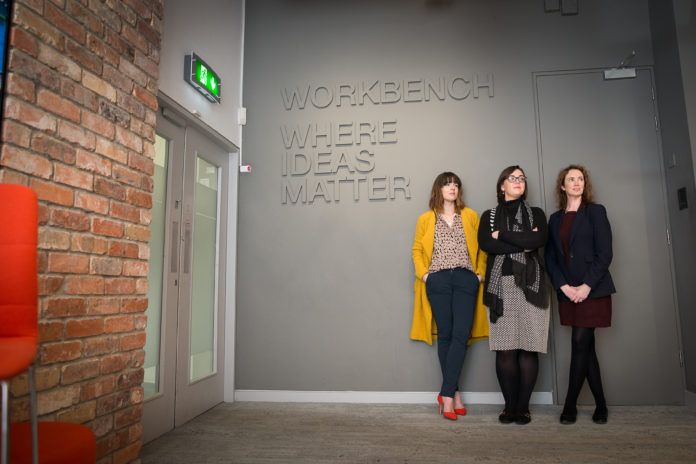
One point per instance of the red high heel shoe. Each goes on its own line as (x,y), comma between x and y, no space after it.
(447,415)
(460,411)
(457,411)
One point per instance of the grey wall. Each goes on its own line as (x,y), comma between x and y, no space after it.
(685,15)
(214,29)
(325,288)
(677,151)
(685,18)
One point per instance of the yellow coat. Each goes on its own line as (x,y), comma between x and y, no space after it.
(423,325)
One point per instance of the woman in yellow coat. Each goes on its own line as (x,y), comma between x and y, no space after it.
(449,269)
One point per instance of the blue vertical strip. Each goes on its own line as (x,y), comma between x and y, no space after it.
(4,19)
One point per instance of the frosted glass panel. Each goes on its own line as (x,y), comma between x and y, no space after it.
(151,382)
(205,240)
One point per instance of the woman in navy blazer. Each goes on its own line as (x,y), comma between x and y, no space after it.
(578,254)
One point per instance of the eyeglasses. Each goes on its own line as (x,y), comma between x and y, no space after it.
(513,179)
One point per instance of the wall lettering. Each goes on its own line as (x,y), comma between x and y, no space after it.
(330,161)
(344,133)
(312,189)
(383,92)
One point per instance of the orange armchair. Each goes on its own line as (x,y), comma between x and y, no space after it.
(18,295)
(52,442)
(59,443)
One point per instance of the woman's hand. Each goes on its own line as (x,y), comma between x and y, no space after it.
(570,292)
(425,276)
(495,234)
(576,294)
(582,292)
(479,278)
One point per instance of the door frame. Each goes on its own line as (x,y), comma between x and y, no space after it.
(194,396)
(176,115)
(663,180)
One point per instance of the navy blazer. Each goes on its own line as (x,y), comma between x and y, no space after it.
(589,252)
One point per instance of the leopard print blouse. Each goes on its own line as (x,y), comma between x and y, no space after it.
(450,250)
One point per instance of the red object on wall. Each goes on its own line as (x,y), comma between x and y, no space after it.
(59,443)
(18,279)
(19,330)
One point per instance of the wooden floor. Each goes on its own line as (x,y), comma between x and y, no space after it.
(366,433)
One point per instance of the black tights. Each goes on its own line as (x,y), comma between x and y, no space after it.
(517,373)
(584,365)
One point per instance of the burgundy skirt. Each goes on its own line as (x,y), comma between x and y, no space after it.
(593,312)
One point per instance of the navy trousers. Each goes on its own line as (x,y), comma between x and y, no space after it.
(452,296)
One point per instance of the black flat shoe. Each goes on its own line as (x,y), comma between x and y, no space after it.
(569,416)
(506,417)
(523,418)
(600,415)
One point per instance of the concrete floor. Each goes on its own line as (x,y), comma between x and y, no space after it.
(384,433)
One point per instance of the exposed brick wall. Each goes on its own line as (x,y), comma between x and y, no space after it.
(79,128)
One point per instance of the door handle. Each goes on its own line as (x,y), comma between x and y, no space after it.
(174,253)
(187,248)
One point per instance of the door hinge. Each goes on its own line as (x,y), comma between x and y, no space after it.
(681,358)
(669,238)
(657,125)
(652,93)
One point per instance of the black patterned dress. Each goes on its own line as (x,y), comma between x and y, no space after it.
(523,325)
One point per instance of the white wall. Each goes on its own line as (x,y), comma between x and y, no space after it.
(214,29)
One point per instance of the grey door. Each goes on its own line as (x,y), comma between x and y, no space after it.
(184,362)
(610,127)
(202,275)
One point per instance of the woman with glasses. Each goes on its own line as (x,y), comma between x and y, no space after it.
(577,258)
(515,291)
(449,268)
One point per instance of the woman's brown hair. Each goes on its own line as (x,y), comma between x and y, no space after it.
(436,199)
(587,194)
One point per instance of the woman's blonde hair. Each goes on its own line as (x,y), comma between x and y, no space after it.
(436,199)
(587,194)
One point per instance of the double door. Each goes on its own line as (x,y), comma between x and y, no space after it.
(184,352)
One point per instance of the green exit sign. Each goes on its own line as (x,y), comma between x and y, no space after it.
(202,77)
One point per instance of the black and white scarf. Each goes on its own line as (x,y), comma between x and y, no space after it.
(526,267)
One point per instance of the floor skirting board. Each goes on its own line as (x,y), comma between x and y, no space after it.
(290,396)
